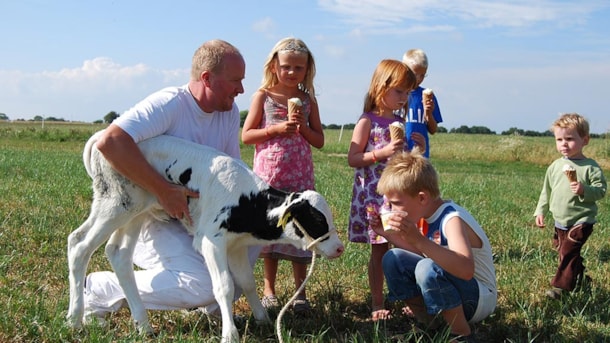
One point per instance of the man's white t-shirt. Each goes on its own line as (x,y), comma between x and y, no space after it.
(173,111)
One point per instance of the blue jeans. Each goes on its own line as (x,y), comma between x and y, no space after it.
(409,275)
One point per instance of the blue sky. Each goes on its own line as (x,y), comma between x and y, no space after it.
(498,64)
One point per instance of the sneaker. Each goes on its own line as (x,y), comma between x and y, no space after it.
(554,293)
(270,302)
(301,307)
(95,318)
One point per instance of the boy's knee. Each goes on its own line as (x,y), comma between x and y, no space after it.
(425,269)
(389,260)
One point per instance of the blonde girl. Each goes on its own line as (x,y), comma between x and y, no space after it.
(368,153)
(282,141)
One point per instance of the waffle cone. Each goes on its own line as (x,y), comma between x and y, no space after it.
(427,95)
(292,107)
(571,174)
(396,133)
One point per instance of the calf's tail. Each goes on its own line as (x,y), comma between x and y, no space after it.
(87,152)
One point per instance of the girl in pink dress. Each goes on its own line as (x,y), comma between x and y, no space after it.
(368,153)
(283,154)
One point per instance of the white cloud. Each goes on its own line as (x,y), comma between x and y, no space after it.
(74,92)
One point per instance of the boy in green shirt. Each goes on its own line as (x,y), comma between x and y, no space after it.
(572,185)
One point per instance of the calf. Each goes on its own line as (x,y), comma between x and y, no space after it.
(236,209)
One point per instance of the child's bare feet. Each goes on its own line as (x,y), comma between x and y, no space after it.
(380,314)
(408,312)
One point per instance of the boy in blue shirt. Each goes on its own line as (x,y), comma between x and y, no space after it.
(422,117)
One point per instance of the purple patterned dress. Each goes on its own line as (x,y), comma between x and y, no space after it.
(285,163)
(364,193)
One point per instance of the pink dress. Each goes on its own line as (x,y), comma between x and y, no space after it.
(284,163)
(364,192)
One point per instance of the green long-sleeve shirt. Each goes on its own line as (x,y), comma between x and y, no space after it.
(557,197)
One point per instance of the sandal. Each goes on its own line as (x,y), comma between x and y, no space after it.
(301,306)
(270,302)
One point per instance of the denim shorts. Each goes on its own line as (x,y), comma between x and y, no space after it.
(410,275)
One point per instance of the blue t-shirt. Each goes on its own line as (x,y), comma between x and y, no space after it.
(414,121)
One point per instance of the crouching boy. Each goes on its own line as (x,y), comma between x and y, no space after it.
(446,271)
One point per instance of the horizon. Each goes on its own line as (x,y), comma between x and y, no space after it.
(495,64)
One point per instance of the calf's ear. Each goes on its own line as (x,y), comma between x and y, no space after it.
(295,207)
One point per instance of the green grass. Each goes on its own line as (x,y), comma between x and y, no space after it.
(45,194)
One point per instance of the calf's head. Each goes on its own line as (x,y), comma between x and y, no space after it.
(307,219)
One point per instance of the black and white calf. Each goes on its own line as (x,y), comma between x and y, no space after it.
(235,209)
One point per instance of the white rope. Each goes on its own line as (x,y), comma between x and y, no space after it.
(278,320)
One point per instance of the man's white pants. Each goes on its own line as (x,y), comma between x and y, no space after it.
(173,274)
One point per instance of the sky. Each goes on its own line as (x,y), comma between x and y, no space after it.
(497,64)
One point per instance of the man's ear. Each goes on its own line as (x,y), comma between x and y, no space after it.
(205,78)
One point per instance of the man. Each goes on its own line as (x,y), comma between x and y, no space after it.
(173,274)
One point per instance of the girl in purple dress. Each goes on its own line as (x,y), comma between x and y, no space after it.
(369,150)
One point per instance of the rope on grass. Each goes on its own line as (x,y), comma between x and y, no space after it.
(278,321)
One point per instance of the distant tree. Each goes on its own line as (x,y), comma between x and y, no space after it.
(3,116)
(38,118)
(513,131)
(54,119)
(99,121)
(461,129)
(110,117)
(333,127)
(441,129)
(482,130)
(242,117)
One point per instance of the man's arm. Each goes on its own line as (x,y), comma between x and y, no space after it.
(123,154)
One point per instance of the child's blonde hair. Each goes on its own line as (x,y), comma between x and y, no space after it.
(409,173)
(295,46)
(415,57)
(572,121)
(388,74)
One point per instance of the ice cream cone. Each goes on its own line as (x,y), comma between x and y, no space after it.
(427,94)
(570,173)
(294,104)
(397,131)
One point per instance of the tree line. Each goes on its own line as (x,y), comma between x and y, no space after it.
(477,130)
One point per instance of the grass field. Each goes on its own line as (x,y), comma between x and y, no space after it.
(45,194)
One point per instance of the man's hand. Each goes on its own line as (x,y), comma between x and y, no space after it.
(174,201)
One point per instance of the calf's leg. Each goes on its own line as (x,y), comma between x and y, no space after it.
(214,252)
(242,272)
(119,251)
(82,243)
